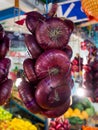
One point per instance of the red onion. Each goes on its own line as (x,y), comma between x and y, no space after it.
(2,32)
(5,90)
(58,111)
(27,96)
(68,51)
(52,33)
(32,46)
(4,46)
(28,66)
(52,92)
(32,20)
(5,63)
(4,68)
(52,62)
(70,24)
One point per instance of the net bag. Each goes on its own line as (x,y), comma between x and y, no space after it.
(90,7)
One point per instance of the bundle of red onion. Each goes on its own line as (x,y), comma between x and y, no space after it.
(48,72)
(91,77)
(5,83)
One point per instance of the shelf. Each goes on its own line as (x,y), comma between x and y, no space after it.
(16,105)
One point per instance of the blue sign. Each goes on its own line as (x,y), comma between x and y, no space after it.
(9,13)
(72,10)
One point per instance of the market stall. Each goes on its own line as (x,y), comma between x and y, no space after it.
(49,67)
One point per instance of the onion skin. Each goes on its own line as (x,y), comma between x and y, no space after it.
(4,68)
(5,90)
(57,111)
(27,96)
(68,51)
(53,33)
(32,46)
(4,46)
(52,62)
(33,19)
(52,92)
(29,71)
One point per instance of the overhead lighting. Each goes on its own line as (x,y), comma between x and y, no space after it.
(18,81)
(80,92)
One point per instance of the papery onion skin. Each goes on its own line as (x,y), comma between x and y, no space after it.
(4,68)
(32,46)
(5,90)
(4,46)
(32,20)
(53,33)
(29,71)
(52,92)
(52,62)
(27,96)
(59,111)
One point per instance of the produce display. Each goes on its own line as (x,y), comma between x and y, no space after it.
(90,77)
(80,110)
(4,114)
(5,83)
(59,124)
(8,122)
(17,124)
(46,88)
(90,9)
(89,128)
(77,63)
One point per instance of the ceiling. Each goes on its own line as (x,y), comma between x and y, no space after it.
(8,14)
